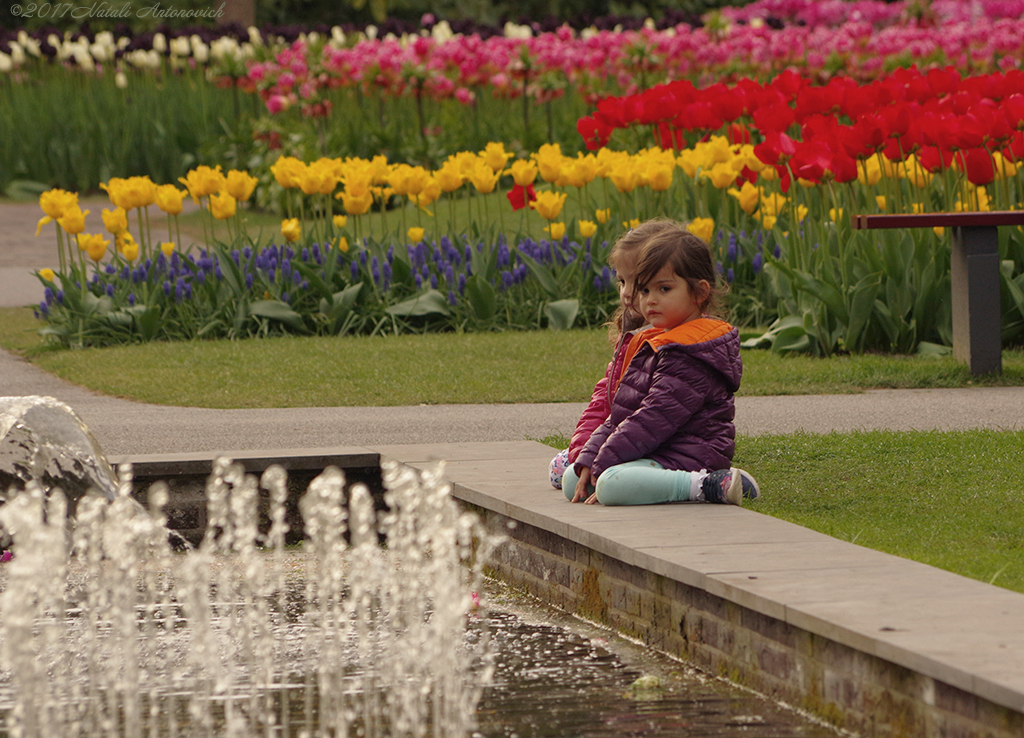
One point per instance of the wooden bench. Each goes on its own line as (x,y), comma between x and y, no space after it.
(974,271)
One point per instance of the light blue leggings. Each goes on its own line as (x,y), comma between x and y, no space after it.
(640,482)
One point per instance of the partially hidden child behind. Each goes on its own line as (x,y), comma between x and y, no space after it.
(668,433)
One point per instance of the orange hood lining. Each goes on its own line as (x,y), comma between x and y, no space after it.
(687,334)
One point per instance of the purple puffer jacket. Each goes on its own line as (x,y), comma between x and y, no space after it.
(674,404)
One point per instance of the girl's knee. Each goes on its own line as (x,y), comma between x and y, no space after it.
(611,490)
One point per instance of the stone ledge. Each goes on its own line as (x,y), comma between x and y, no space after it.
(898,620)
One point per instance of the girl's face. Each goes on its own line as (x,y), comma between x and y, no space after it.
(625,275)
(667,300)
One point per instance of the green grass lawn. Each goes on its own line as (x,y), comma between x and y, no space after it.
(537,366)
(945,499)
(948,499)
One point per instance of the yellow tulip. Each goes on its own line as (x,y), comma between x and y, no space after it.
(583,170)
(93,244)
(318,178)
(495,156)
(748,196)
(343,244)
(869,171)
(1004,168)
(427,195)
(168,248)
(836,214)
(129,249)
(47,274)
(557,230)
(549,161)
(291,229)
(73,220)
(721,175)
(340,221)
(223,206)
(355,203)
(801,213)
(203,181)
(415,234)
(288,171)
(939,231)
(689,161)
(631,223)
(168,198)
(524,172)
(767,221)
(703,228)
(603,215)
(587,228)
(484,179)
(240,185)
(625,178)
(449,177)
(115,220)
(140,191)
(880,200)
(549,204)
(133,192)
(54,202)
(660,177)
(772,204)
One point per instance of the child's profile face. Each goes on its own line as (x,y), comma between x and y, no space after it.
(625,276)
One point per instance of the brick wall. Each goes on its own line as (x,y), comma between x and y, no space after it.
(848,688)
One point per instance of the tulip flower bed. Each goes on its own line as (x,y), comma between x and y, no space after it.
(421,96)
(911,142)
(786,248)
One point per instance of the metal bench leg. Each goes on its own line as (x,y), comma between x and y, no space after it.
(976,305)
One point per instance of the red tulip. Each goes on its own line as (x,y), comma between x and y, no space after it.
(777,117)
(727,104)
(776,148)
(595,132)
(977,162)
(1013,109)
(934,159)
(943,81)
(520,196)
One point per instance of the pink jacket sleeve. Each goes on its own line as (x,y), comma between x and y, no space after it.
(595,414)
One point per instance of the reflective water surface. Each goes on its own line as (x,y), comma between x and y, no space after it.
(559,676)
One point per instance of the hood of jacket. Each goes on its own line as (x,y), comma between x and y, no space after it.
(714,342)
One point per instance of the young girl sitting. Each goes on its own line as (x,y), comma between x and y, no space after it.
(623,324)
(671,418)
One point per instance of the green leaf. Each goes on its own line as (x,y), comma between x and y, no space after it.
(482,297)
(862,300)
(926,348)
(313,277)
(147,322)
(280,311)
(792,339)
(542,273)
(430,302)
(561,314)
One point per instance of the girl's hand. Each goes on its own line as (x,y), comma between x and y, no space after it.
(582,494)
